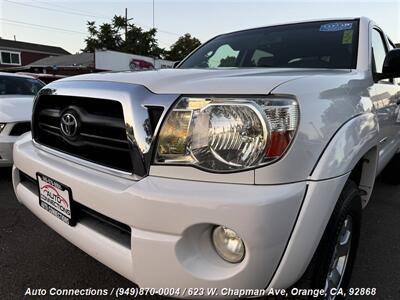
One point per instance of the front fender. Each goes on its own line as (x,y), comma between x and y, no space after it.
(315,212)
(349,144)
(356,139)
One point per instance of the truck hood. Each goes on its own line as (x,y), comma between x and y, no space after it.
(208,81)
(15,108)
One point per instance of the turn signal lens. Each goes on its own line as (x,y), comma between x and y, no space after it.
(279,143)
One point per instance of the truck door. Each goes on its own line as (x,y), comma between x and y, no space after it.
(386,99)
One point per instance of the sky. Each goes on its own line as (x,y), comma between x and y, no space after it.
(63,22)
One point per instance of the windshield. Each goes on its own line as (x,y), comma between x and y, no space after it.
(13,85)
(331,44)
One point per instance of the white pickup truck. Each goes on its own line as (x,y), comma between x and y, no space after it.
(245,168)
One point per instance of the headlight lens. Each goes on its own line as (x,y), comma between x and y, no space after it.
(228,244)
(2,125)
(226,134)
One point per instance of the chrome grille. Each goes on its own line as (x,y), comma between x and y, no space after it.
(100,135)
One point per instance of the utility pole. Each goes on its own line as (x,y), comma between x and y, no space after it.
(126,23)
(153,15)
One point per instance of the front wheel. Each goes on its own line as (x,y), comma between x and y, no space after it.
(332,264)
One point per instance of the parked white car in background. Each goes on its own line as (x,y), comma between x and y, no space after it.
(246,167)
(16,100)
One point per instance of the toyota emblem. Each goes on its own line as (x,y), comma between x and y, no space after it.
(69,125)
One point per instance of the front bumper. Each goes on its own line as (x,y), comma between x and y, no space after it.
(170,220)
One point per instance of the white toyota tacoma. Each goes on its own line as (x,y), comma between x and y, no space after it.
(16,100)
(246,167)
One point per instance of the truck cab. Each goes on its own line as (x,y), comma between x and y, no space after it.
(245,168)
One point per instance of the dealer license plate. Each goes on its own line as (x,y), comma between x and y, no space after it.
(56,198)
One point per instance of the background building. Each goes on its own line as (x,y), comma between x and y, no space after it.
(16,54)
(68,65)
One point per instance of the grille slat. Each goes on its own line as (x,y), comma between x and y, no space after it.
(101,134)
(103,122)
(53,113)
(55,134)
(104,146)
(102,138)
(50,127)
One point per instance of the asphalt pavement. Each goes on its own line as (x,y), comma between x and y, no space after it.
(33,256)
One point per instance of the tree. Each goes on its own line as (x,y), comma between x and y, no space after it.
(229,61)
(91,41)
(142,42)
(182,47)
(108,36)
(137,40)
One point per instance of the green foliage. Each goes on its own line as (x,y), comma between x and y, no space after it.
(142,42)
(229,61)
(182,47)
(111,36)
(106,36)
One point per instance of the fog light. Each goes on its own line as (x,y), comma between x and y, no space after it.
(228,244)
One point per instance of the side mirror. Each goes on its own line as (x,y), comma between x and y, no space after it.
(176,64)
(391,65)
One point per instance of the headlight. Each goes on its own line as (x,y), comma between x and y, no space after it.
(228,244)
(227,133)
(2,125)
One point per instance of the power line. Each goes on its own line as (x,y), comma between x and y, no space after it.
(34,26)
(168,32)
(110,17)
(73,9)
(85,15)
(28,27)
(41,26)
(51,9)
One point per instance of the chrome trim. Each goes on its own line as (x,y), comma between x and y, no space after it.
(384,140)
(68,125)
(86,163)
(134,100)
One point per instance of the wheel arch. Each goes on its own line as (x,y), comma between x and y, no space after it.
(353,149)
(363,174)
(352,153)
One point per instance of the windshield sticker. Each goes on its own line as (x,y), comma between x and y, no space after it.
(347,37)
(336,26)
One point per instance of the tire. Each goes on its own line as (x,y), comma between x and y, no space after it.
(391,173)
(348,206)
